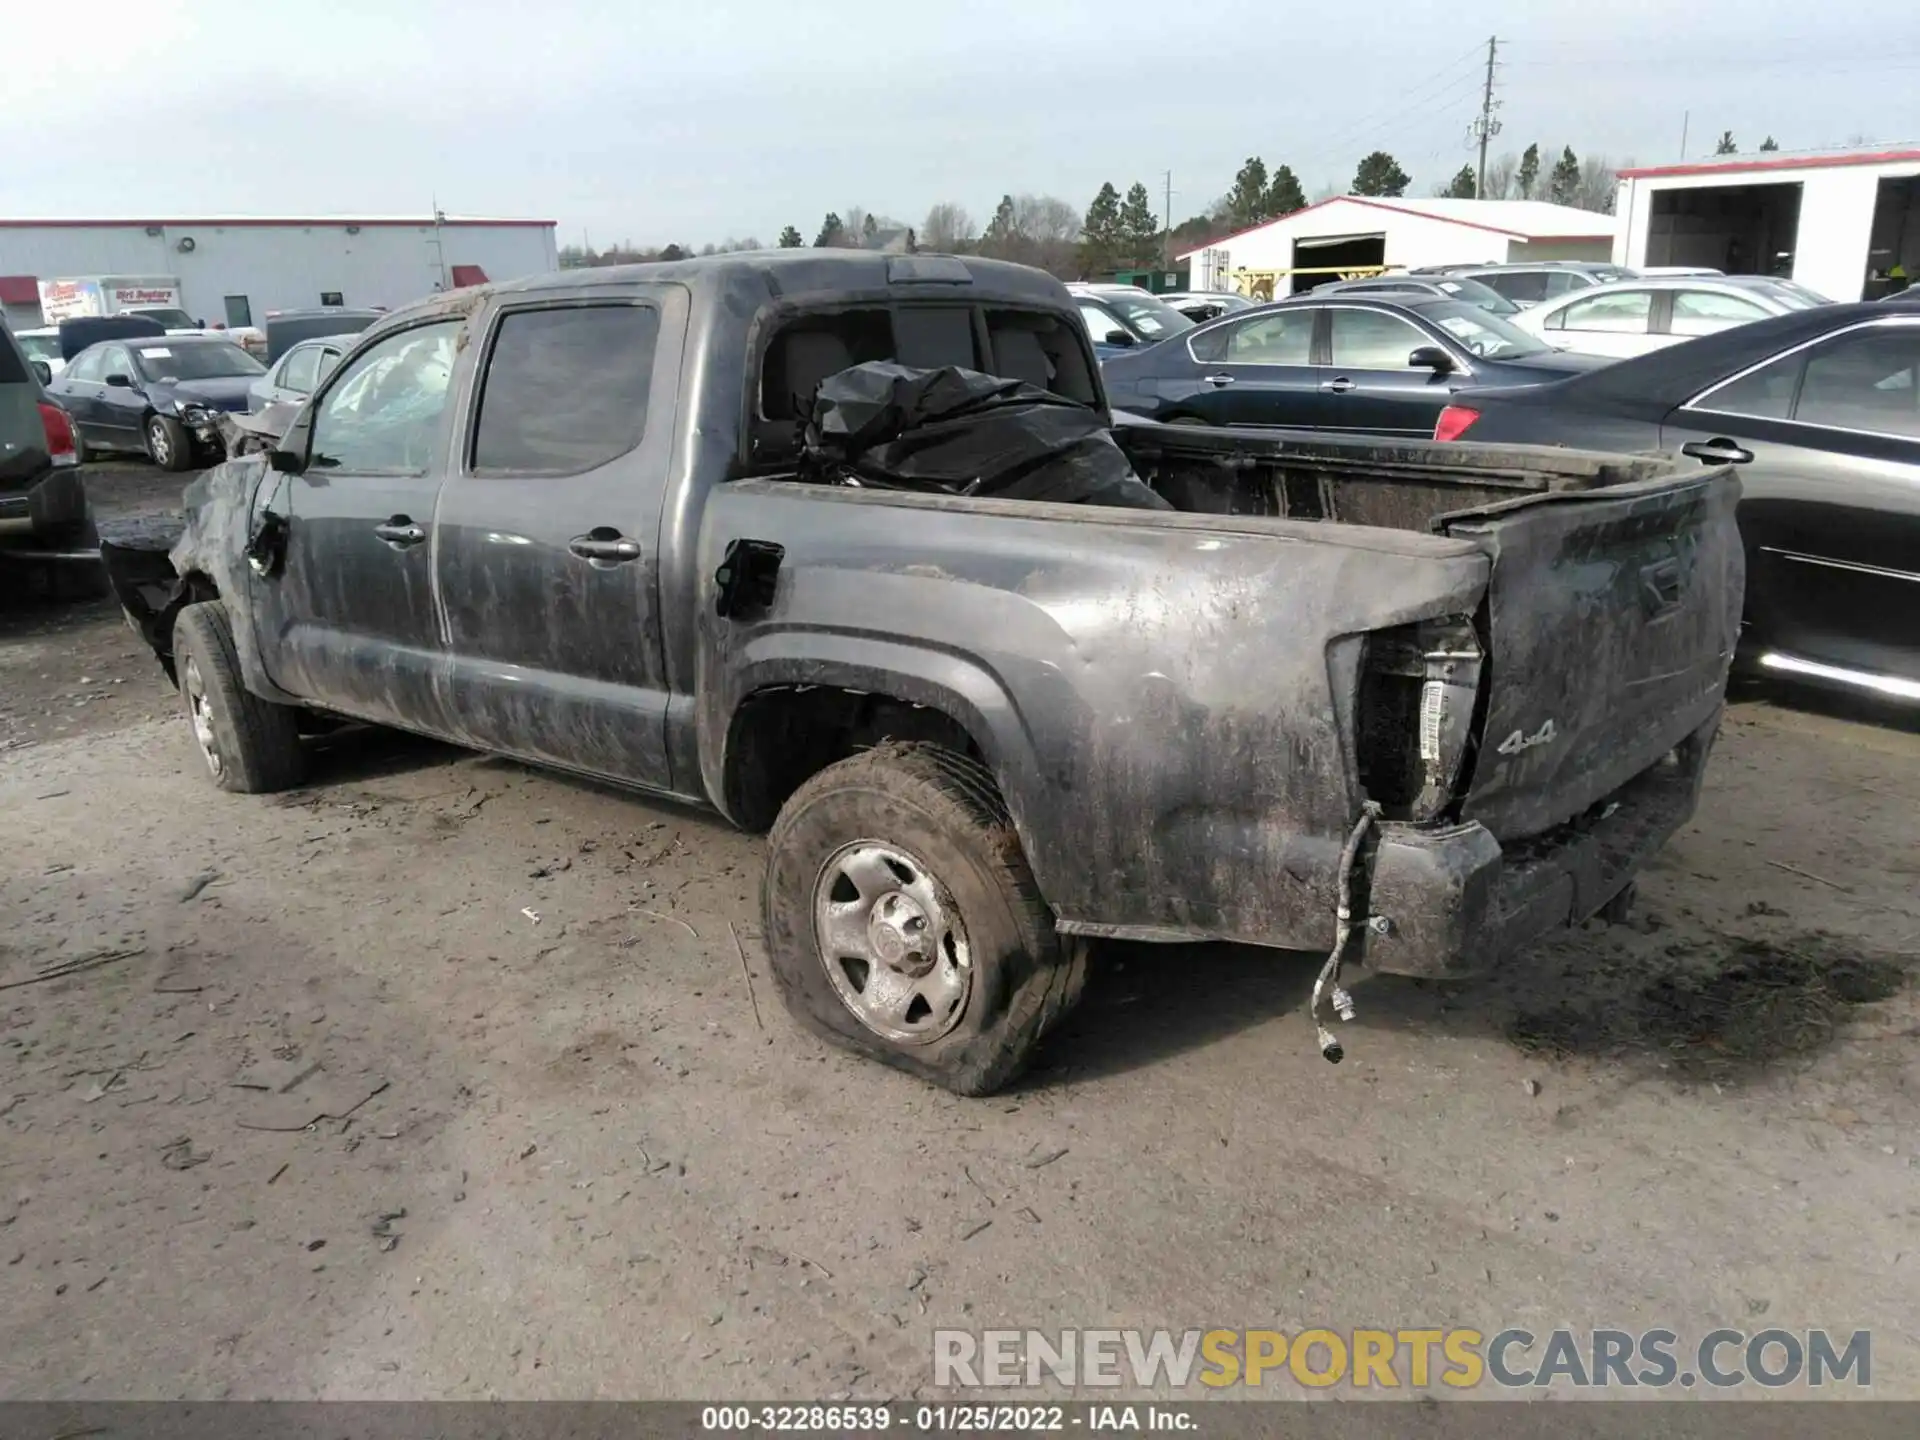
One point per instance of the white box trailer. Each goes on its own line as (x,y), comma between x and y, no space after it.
(94,295)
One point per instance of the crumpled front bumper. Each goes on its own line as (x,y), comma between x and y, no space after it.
(1453,901)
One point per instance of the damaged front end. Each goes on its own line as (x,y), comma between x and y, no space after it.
(158,565)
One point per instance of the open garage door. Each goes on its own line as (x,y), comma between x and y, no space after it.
(1327,258)
(1741,229)
(1893,254)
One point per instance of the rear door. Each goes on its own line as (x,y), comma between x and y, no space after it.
(77,388)
(1613,615)
(1831,514)
(349,621)
(1258,371)
(1373,387)
(547,546)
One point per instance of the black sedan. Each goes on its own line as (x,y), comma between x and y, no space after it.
(1384,365)
(1822,410)
(157,395)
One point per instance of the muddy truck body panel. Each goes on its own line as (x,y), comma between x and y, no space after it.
(1163,699)
(1190,717)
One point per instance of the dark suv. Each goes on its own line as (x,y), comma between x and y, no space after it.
(39,469)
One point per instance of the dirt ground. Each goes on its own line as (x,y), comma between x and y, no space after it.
(442,1077)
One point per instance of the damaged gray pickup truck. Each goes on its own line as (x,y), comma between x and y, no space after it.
(1412,707)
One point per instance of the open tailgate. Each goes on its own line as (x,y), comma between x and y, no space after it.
(1614,613)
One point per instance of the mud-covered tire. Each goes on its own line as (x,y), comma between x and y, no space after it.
(249,745)
(168,444)
(937,805)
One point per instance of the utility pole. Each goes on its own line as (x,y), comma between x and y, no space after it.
(1166,231)
(1686,120)
(439,248)
(1486,127)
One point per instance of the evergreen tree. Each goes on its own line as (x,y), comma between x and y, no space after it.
(1284,195)
(1247,201)
(831,232)
(790,239)
(1528,176)
(1564,183)
(1100,233)
(1380,174)
(1769,144)
(1139,229)
(1464,186)
(1727,146)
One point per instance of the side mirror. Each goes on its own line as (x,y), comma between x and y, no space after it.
(1431,357)
(1121,338)
(286,462)
(42,371)
(120,382)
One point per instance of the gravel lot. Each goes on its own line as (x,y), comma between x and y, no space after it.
(331,1114)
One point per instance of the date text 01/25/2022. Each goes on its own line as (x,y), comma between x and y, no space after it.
(944,1419)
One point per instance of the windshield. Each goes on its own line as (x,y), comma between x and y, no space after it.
(1796,296)
(172,319)
(1147,316)
(40,347)
(1481,333)
(195,362)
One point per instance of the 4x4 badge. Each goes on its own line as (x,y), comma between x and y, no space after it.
(1519,740)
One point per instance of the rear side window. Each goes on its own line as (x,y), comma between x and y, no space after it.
(566,389)
(300,373)
(1625,312)
(1523,287)
(1285,338)
(1042,349)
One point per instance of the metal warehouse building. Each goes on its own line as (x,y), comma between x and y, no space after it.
(235,270)
(1837,221)
(1352,235)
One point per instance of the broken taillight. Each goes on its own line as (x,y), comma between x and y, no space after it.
(1419,686)
(1454,422)
(58,426)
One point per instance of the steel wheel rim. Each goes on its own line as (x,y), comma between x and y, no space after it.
(158,443)
(891,940)
(200,713)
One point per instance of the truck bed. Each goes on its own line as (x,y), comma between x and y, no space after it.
(1356,480)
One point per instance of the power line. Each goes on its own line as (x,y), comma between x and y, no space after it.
(1447,78)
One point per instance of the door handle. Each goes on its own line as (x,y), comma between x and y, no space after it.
(1338,386)
(1717,452)
(604,546)
(401,533)
(1217,380)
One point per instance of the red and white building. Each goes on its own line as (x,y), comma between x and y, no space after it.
(1836,220)
(233,269)
(1355,235)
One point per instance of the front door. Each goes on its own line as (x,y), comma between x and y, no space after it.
(349,622)
(1258,371)
(119,406)
(548,558)
(1830,507)
(1377,392)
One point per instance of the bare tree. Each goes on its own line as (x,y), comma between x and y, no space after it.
(947,227)
(1502,173)
(853,228)
(1597,186)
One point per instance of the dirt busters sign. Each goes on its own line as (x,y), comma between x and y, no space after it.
(105,295)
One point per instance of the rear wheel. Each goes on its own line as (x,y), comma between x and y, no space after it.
(248,744)
(167,443)
(903,922)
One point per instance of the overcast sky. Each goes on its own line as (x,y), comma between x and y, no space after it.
(727,118)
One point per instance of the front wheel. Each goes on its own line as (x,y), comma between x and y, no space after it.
(903,922)
(249,745)
(167,443)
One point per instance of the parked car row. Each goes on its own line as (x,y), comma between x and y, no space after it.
(1819,403)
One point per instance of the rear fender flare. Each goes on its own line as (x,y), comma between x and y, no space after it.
(958,686)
